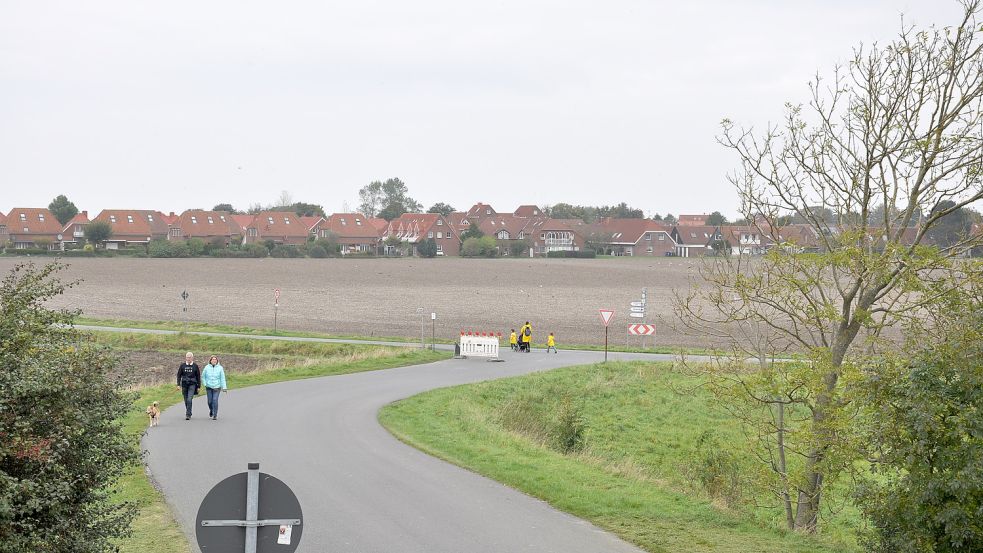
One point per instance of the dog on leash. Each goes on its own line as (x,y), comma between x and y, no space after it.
(154,413)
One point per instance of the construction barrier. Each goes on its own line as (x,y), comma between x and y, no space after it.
(479,344)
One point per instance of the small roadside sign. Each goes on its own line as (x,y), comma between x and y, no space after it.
(637,315)
(638,304)
(606,315)
(276,294)
(638,310)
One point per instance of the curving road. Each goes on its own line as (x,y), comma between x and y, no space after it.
(361,489)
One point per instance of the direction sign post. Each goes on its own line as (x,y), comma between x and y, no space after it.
(276,306)
(606,315)
(433,332)
(185,296)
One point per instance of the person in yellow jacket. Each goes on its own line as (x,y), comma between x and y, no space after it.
(551,343)
(514,341)
(526,337)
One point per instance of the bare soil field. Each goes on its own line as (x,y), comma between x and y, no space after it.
(380,297)
(139,368)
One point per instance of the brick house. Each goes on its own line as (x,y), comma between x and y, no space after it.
(507,229)
(210,226)
(74,230)
(414,228)
(528,211)
(695,240)
(32,227)
(353,232)
(745,240)
(133,226)
(282,227)
(313,224)
(4,234)
(631,237)
(550,235)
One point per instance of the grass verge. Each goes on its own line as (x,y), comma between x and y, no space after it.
(154,528)
(614,444)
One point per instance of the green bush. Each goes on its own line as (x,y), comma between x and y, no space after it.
(63,446)
(427,248)
(550,417)
(168,248)
(717,469)
(196,247)
(285,251)
(257,250)
(471,247)
(317,252)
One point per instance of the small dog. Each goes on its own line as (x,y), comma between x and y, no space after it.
(154,413)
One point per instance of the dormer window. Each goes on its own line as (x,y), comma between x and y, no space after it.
(358,222)
(270,219)
(344,223)
(286,221)
(488,212)
(440,222)
(129,219)
(23,217)
(222,217)
(41,217)
(194,220)
(210,221)
(112,218)
(150,218)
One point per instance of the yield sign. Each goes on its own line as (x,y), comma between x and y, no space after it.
(606,315)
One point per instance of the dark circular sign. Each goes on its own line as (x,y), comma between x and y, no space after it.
(227,501)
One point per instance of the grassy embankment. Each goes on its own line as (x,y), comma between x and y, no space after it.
(617,444)
(255,331)
(155,529)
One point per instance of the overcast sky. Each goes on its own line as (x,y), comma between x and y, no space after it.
(179,104)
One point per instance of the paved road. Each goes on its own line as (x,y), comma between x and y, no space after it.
(361,489)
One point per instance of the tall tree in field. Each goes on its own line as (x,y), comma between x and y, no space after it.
(442,208)
(97,232)
(716,218)
(388,199)
(900,125)
(62,445)
(371,197)
(63,209)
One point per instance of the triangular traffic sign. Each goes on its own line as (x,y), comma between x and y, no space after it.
(606,315)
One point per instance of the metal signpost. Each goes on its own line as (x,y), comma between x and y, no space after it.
(185,296)
(250,512)
(637,311)
(423,344)
(433,332)
(606,315)
(276,306)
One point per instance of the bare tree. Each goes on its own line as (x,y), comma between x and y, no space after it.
(900,126)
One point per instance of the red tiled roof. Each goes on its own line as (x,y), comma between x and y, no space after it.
(351,225)
(138,224)
(169,218)
(413,227)
(528,211)
(81,218)
(278,223)
(3,218)
(36,221)
(493,224)
(692,220)
(206,224)
(244,220)
(695,234)
(481,210)
(312,222)
(626,231)
(379,223)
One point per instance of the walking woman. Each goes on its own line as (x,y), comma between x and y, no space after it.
(213,377)
(188,381)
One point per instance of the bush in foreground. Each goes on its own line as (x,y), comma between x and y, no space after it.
(61,442)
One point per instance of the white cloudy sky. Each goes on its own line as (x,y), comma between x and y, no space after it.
(175,104)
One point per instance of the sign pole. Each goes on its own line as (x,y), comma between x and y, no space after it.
(433,332)
(252,505)
(605,344)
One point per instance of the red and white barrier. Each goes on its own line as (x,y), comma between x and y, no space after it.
(480,344)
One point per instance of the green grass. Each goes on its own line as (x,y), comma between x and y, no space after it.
(255,331)
(612,443)
(154,529)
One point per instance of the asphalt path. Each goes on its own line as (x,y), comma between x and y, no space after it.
(361,489)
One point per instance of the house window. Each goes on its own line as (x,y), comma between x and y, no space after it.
(222,217)
(662,237)
(41,217)
(150,218)
(648,236)
(430,234)
(112,218)
(542,236)
(440,235)
(251,232)
(270,219)
(175,232)
(194,220)
(26,229)
(488,212)
(23,218)
(210,221)
(648,250)
(440,222)
(358,222)
(344,223)
(286,221)
(440,249)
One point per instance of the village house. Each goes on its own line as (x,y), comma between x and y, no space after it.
(414,228)
(547,235)
(353,232)
(313,224)
(507,229)
(73,233)
(630,237)
(528,211)
(133,226)
(217,227)
(697,241)
(31,227)
(4,235)
(282,227)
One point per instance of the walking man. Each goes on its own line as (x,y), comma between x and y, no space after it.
(188,381)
